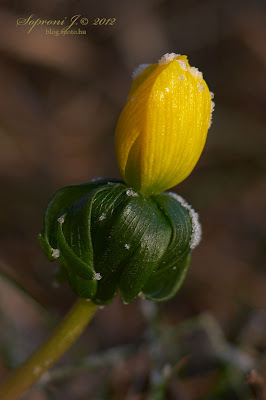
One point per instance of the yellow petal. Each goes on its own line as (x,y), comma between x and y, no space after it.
(162,129)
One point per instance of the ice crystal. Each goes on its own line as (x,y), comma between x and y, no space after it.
(139,70)
(168,57)
(196,226)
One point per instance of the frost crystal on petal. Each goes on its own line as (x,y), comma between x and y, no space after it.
(212,109)
(195,72)
(139,70)
(168,57)
(97,276)
(167,369)
(127,246)
(201,87)
(36,370)
(102,217)
(131,192)
(97,179)
(182,64)
(55,253)
(61,219)
(196,226)
(181,77)
(212,95)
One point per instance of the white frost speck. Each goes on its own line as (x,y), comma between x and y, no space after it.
(196,226)
(167,89)
(148,309)
(139,70)
(167,369)
(212,109)
(181,77)
(195,72)
(97,276)
(174,268)
(45,377)
(36,370)
(131,193)
(212,95)
(55,253)
(168,57)
(201,87)
(61,219)
(102,217)
(182,64)
(99,178)
(127,246)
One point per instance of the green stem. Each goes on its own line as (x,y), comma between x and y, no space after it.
(50,351)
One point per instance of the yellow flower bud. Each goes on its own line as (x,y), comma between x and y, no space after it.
(162,129)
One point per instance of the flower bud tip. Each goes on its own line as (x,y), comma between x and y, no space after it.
(182,64)
(162,129)
(168,57)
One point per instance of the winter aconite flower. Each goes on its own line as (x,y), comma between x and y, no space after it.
(162,129)
(131,236)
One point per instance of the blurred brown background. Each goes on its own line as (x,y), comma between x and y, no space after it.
(60,98)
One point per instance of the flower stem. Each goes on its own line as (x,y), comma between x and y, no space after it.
(50,351)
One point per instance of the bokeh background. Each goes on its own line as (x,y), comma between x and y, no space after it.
(60,98)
